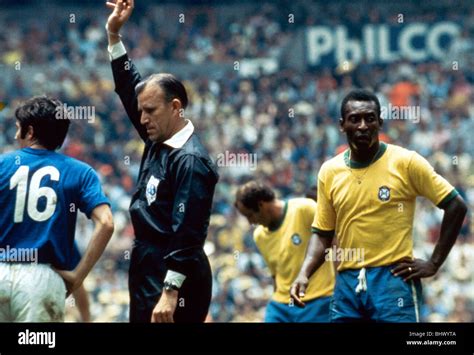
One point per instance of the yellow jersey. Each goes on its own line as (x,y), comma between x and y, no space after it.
(284,250)
(370,208)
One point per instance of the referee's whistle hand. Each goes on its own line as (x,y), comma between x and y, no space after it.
(298,290)
(121,11)
(164,309)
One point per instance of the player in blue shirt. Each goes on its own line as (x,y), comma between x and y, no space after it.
(40,193)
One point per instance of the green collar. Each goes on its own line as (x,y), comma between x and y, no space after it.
(282,219)
(356,165)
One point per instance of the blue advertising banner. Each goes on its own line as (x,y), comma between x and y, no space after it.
(379,43)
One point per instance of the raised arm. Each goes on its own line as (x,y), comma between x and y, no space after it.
(126,75)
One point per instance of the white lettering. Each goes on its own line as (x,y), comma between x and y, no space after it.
(37,338)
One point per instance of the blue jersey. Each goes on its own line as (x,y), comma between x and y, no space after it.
(40,193)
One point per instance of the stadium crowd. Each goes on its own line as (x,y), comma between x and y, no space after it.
(286,120)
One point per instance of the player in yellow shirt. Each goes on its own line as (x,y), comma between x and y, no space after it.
(366,198)
(282,237)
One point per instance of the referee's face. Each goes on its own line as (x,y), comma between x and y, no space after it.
(159,117)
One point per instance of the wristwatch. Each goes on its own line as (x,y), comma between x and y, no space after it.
(168,286)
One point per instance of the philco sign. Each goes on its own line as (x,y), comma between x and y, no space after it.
(416,42)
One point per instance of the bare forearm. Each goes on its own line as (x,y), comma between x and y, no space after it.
(100,238)
(315,254)
(82,300)
(451,225)
(113,38)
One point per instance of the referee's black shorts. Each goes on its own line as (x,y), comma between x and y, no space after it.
(146,275)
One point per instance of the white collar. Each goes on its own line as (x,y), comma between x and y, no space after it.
(181,137)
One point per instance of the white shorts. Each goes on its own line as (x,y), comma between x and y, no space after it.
(31,293)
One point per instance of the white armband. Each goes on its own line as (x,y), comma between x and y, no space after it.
(175,278)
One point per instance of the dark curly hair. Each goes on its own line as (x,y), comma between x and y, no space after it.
(360,95)
(41,113)
(252,192)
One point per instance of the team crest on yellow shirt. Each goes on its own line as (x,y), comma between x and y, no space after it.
(384,193)
(296,239)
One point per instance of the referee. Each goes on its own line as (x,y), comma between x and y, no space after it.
(169,278)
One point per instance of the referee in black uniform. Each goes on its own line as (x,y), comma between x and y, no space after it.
(170,278)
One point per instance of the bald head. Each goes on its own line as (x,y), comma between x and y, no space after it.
(171,86)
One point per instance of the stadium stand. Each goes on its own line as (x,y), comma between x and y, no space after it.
(246,114)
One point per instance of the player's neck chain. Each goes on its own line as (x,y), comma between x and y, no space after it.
(361,177)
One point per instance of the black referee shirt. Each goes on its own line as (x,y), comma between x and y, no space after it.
(172,203)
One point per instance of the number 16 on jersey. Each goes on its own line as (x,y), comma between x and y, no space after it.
(19,180)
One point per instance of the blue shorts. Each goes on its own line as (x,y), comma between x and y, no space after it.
(316,311)
(386,298)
